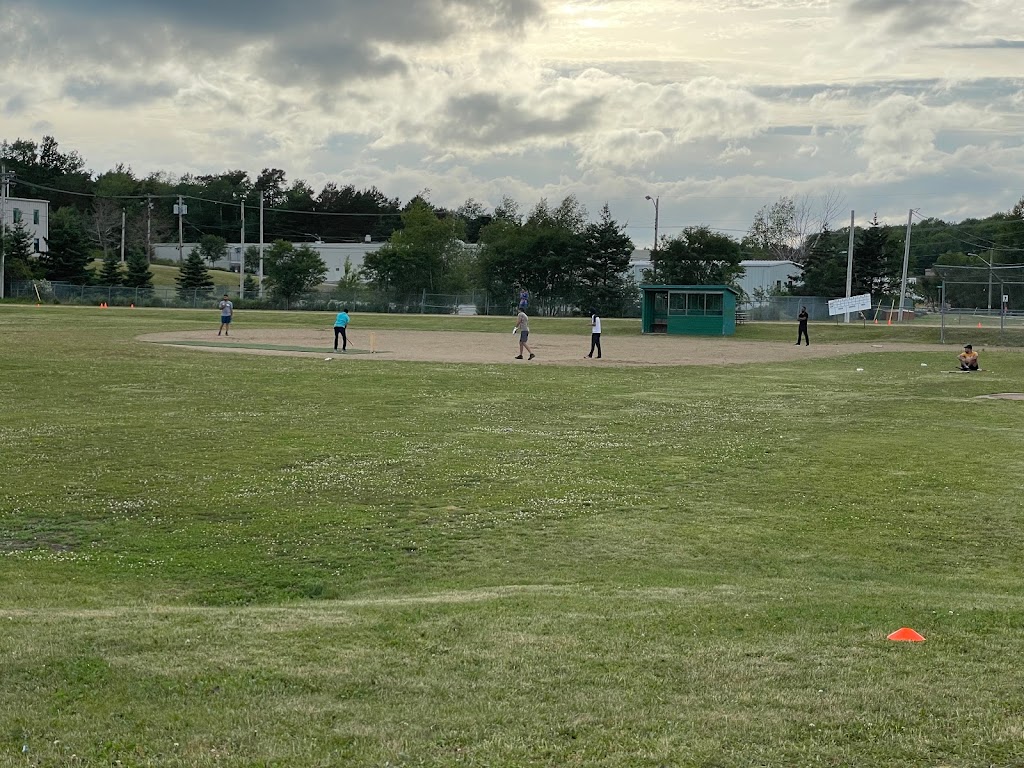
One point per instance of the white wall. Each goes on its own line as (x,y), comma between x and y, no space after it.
(768,275)
(35,217)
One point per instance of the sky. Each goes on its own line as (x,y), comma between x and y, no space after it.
(712,108)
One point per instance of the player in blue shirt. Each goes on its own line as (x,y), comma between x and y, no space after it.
(340,324)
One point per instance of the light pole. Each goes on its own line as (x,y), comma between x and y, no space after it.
(654,262)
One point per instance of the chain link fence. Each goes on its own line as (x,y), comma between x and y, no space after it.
(356,299)
(971,298)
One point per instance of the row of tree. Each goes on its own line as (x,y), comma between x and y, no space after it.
(552,251)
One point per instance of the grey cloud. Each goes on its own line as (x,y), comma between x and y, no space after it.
(489,119)
(994,43)
(324,43)
(15,105)
(910,16)
(112,94)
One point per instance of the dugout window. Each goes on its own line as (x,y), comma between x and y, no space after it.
(695,304)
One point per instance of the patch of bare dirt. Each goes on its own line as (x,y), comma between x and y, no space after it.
(475,347)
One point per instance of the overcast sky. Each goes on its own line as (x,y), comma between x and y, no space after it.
(716,107)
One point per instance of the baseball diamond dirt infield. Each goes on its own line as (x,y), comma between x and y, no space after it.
(551,349)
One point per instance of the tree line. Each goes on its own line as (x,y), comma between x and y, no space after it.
(552,250)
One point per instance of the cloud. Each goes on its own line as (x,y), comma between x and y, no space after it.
(901,17)
(994,43)
(114,94)
(328,41)
(15,105)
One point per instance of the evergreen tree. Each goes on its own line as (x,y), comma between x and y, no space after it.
(19,254)
(605,260)
(193,276)
(876,262)
(67,258)
(110,272)
(824,270)
(139,275)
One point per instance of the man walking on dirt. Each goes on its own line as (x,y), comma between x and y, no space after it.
(523,329)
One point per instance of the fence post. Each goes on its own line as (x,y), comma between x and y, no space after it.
(423,302)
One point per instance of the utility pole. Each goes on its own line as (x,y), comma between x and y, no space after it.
(5,180)
(122,234)
(241,259)
(849,267)
(261,244)
(906,264)
(181,209)
(149,227)
(654,250)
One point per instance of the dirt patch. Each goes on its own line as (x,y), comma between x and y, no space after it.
(1002,396)
(551,349)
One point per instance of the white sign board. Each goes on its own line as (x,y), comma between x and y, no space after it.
(849,304)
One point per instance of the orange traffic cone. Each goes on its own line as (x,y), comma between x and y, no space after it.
(889,322)
(132,305)
(906,635)
(979,325)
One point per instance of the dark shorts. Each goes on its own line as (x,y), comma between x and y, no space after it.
(523,336)
(225,319)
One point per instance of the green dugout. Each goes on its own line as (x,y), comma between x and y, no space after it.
(690,310)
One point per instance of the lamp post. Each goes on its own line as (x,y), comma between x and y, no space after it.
(654,262)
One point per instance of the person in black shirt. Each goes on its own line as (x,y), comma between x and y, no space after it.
(802,330)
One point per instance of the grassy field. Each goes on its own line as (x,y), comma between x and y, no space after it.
(231,560)
(165,276)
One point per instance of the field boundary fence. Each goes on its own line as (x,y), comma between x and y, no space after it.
(333,299)
(978,297)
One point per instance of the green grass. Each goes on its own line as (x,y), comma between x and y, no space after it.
(165,276)
(235,561)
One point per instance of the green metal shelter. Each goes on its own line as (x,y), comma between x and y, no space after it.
(693,310)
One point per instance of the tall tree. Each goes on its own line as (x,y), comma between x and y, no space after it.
(426,254)
(67,258)
(213,248)
(19,254)
(773,232)
(292,271)
(139,274)
(605,260)
(824,270)
(110,271)
(698,256)
(877,261)
(193,276)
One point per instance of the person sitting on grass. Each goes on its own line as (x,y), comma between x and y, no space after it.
(968,359)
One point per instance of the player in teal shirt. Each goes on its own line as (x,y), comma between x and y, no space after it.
(340,324)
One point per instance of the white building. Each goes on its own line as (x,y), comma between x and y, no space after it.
(765,276)
(33,215)
(334,255)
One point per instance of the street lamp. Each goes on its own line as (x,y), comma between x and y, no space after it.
(654,261)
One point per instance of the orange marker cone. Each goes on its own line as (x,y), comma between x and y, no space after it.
(890,320)
(906,635)
(979,325)
(132,305)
